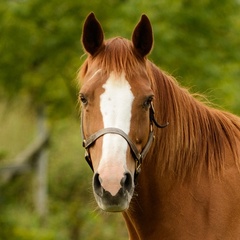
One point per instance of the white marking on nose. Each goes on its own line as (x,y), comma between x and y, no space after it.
(116,106)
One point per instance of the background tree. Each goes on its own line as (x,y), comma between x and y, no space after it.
(196,41)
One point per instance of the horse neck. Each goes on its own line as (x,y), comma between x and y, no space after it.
(192,147)
(198,136)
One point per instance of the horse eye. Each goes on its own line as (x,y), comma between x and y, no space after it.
(147,103)
(83,99)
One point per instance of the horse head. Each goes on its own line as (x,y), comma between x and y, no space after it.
(116,100)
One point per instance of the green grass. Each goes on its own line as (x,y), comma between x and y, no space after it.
(72,211)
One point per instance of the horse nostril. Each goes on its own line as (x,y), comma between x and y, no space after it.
(126,181)
(97,184)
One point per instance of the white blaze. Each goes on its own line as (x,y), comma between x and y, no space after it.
(115,106)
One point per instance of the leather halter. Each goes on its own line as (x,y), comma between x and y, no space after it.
(138,156)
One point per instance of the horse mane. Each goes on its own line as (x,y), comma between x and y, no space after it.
(198,136)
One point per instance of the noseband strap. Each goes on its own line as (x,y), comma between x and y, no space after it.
(138,156)
(98,134)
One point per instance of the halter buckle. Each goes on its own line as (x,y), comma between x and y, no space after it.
(88,159)
(138,166)
(137,170)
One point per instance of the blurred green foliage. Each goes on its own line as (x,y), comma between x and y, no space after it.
(196,41)
(72,213)
(40,45)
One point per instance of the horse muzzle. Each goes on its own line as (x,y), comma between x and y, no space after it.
(116,196)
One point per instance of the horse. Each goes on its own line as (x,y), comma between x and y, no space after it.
(164,157)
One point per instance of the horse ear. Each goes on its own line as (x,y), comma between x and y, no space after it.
(142,37)
(92,36)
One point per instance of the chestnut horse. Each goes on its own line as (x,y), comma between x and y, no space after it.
(172,172)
